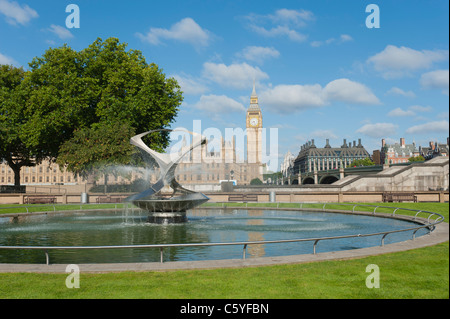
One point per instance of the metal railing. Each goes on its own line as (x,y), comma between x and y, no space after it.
(430,225)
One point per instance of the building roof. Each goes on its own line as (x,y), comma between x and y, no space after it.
(345,150)
(402,149)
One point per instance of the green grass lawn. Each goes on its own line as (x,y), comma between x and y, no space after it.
(419,273)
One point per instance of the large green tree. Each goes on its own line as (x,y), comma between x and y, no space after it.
(69,94)
(13,149)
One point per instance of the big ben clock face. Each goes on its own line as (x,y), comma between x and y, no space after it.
(254,121)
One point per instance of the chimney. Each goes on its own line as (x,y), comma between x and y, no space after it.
(354,143)
(345,144)
(402,142)
(359,143)
(432,146)
(383,142)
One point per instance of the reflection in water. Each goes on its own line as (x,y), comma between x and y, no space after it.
(106,228)
(255,250)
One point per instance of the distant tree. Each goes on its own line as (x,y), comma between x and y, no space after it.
(256,181)
(419,158)
(362,162)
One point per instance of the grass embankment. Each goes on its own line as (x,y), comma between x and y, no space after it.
(419,273)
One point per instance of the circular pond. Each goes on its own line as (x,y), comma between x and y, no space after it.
(108,228)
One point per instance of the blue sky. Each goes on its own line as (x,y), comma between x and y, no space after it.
(319,71)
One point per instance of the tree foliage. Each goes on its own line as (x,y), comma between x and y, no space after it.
(362,162)
(419,158)
(81,108)
(13,149)
(256,181)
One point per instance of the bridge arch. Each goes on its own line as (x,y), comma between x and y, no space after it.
(328,179)
(308,180)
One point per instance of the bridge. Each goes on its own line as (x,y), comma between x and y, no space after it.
(329,176)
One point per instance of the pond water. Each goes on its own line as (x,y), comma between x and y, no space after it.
(106,228)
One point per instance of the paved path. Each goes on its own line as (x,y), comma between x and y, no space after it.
(439,235)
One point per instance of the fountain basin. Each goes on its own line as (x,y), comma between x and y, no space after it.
(109,228)
(170,210)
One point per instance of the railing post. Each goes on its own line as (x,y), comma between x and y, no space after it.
(47,258)
(314,247)
(382,239)
(243,254)
(161,251)
(414,234)
(417,214)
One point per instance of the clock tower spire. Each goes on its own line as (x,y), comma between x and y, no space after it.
(254,130)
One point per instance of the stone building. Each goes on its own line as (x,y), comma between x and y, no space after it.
(434,149)
(312,158)
(398,152)
(287,166)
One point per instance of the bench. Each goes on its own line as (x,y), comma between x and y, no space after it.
(243,198)
(399,197)
(108,199)
(39,200)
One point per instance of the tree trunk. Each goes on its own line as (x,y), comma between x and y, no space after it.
(16,170)
(106,183)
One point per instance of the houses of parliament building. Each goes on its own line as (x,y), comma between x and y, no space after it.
(214,166)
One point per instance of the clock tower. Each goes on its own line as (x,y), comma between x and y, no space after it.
(254,130)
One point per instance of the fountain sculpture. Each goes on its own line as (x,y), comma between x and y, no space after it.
(167,209)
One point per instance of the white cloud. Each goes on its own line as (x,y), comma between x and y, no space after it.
(394,62)
(343,38)
(292,17)
(186,30)
(293,98)
(420,108)
(238,76)
(378,130)
(283,22)
(190,85)
(398,91)
(324,134)
(258,54)
(398,112)
(411,111)
(435,80)
(436,126)
(4,59)
(218,104)
(15,13)
(293,35)
(61,32)
(345,90)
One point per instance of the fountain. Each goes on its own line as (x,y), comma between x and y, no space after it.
(163,209)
